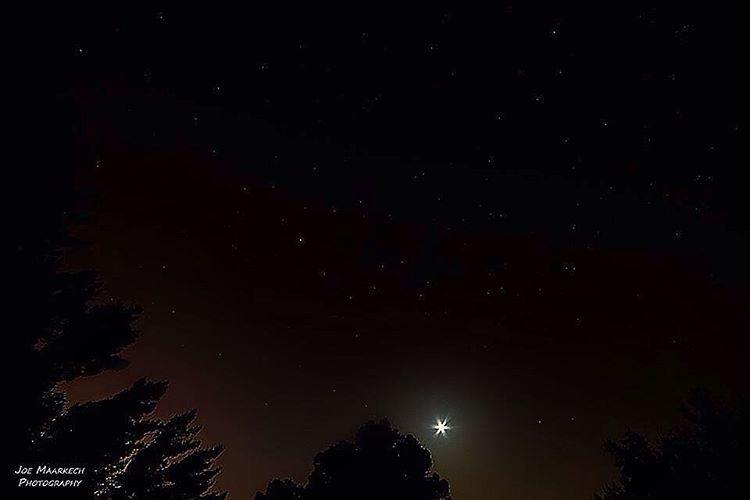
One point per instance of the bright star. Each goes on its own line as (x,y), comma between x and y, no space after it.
(441,426)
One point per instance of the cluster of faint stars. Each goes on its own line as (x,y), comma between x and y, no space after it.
(474,213)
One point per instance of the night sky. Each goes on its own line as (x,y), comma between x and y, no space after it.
(530,221)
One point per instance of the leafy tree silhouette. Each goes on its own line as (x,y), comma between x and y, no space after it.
(708,457)
(380,463)
(282,489)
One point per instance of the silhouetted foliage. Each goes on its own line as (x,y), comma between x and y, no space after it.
(61,331)
(71,337)
(52,322)
(171,465)
(708,457)
(127,454)
(281,489)
(380,463)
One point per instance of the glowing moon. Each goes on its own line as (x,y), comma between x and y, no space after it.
(441,426)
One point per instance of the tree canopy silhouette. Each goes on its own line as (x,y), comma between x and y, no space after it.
(127,453)
(708,457)
(172,465)
(60,330)
(380,463)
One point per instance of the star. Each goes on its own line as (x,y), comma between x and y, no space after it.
(441,426)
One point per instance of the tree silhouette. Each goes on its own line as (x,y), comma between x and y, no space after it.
(706,458)
(281,489)
(60,333)
(172,464)
(60,330)
(102,435)
(127,453)
(380,463)
(68,337)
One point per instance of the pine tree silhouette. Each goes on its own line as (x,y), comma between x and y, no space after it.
(102,435)
(60,331)
(172,464)
(127,454)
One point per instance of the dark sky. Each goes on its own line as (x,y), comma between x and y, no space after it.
(528,220)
